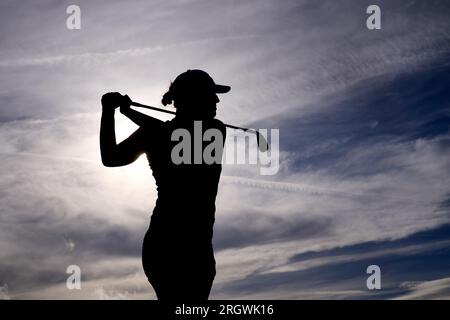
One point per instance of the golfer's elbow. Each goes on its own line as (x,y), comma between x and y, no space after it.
(116,159)
(108,160)
(109,163)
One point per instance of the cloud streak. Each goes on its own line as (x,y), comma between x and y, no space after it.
(363,119)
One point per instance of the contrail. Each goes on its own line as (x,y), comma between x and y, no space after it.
(288,186)
(51,157)
(254,183)
(107,57)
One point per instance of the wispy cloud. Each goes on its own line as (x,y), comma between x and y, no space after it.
(435,289)
(363,119)
(4,292)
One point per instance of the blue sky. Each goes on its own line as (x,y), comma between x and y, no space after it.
(364,145)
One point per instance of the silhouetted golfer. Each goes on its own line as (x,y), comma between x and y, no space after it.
(177,253)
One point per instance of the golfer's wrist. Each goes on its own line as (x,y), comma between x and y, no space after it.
(124,109)
(108,110)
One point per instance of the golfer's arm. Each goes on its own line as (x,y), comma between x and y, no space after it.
(139,118)
(113,154)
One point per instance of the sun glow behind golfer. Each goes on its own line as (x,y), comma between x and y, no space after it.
(291,63)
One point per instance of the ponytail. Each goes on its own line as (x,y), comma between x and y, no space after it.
(167,98)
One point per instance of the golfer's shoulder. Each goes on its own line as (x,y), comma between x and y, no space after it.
(216,123)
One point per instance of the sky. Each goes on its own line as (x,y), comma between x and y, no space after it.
(364,119)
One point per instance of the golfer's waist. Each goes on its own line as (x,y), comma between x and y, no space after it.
(185,202)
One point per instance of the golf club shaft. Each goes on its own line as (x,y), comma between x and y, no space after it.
(136,104)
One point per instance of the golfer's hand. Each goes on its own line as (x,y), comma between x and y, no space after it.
(111,100)
(125,103)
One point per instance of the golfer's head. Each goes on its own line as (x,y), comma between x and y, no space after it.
(194,94)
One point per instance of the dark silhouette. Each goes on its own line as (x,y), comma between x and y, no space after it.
(177,254)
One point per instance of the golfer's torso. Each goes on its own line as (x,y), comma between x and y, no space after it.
(186,191)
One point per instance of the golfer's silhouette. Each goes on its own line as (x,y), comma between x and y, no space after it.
(177,253)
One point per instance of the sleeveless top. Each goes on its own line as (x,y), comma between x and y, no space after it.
(185,208)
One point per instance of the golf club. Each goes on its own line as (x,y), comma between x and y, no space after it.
(263,145)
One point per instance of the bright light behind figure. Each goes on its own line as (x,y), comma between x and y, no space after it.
(137,172)
(364,146)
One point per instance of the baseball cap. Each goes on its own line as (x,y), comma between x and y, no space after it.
(197,81)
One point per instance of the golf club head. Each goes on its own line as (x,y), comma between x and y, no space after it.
(263,145)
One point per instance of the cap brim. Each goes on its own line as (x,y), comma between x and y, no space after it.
(222,89)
